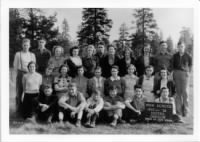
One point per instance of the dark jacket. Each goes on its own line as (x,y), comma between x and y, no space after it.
(106,67)
(72,67)
(89,65)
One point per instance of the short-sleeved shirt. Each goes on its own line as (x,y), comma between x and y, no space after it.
(138,102)
(74,100)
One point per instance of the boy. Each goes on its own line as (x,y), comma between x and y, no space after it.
(135,106)
(72,105)
(94,106)
(114,105)
(116,81)
(97,82)
(164,98)
(47,104)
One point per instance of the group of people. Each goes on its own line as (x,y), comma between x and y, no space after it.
(100,86)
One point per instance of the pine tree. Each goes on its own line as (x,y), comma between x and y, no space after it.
(37,25)
(95,26)
(145,27)
(123,32)
(15,30)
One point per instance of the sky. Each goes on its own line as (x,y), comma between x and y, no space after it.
(169,20)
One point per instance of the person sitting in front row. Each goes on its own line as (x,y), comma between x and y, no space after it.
(135,106)
(164,98)
(113,105)
(71,106)
(94,106)
(46,104)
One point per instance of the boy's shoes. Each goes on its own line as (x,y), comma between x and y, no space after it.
(78,123)
(93,124)
(113,123)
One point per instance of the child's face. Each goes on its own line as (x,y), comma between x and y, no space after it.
(111,51)
(163,74)
(98,73)
(127,53)
(31,68)
(90,51)
(96,96)
(58,51)
(80,71)
(75,52)
(149,71)
(113,93)
(41,43)
(100,49)
(72,90)
(165,93)
(64,70)
(48,91)
(114,72)
(147,49)
(48,71)
(26,46)
(131,70)
(138,92)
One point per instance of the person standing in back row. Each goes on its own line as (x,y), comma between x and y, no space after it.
(42,56)
(182,66)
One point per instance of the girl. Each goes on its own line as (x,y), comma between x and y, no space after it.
(31,86)
(57,59)
(130,81)
(62,81)
(74,61)
(147,83)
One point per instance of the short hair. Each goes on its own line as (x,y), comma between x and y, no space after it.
(131,65)
(181,42)
(101,43)
(137,86)
(98,68)
(115,67)
(163,88)
(47,86)
(164,68)
(149,66)
(72,84)
(73,48)
(161,42)
(31,62)
(64,65)
(129,50)
(58,46)
(112,87)
(26,40)
(42,39)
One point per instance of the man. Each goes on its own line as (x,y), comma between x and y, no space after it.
(182,65)
(100,53)
(163,59)
(42,56)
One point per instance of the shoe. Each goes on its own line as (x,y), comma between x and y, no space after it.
(78,123)
(114,123)
(93,124)
(121,121)
(180,121)
(87,123)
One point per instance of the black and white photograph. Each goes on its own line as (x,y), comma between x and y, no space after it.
(101,71)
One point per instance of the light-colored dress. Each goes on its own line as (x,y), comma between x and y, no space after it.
(130,82)
(148,85)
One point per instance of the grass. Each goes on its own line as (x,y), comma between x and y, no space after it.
(18,126)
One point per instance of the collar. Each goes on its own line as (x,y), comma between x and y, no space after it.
(113,79)
(145,77)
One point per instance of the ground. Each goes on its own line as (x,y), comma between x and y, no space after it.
(18,126)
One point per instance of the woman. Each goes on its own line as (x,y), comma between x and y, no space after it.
(31,86)
(90,62)
(62,81)
(147,82)
(164,81)
(108,61)
(74,61)
(126,61)
(22,58)
(57,59)
(145,60)
(130,81)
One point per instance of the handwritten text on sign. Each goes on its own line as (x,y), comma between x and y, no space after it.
(158,112)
